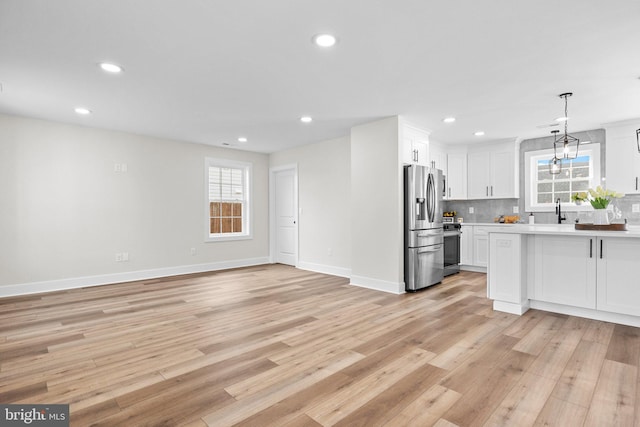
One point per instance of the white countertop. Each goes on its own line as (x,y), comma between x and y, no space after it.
(561,229)
(492,224)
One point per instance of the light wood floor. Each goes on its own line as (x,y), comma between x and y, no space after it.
(276,346)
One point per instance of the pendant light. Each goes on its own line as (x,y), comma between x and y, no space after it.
(566,140)
(555,164)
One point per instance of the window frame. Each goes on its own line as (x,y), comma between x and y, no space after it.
(531,178)
(247,214)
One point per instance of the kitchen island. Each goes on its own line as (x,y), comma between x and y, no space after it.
(560,269)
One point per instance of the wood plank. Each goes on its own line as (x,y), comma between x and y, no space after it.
(614,397)
(558,412)
(580,376)
(378,410)
(524,402)
(479,401)
(554,357)
(347,400)
(242,409)
(537,338)
(427,409)
(624,346)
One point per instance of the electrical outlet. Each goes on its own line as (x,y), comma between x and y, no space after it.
(635,208)
(329,251)
(193,251)
(125,256)
(124,167)
(471,209)
(516,209)
(117,167)
(118,257)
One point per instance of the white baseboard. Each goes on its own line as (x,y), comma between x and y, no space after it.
(106,279)
(378,285)
(474,268)
(511,308)
(604,316)
(325,269)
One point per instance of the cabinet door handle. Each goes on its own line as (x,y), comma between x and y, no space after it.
(600,248)
(590,248)
(492,190)
(636,182)
(449,191)
(487,188)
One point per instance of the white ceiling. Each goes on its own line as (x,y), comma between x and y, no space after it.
(209,71)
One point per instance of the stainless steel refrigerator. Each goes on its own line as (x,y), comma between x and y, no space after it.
(424,249)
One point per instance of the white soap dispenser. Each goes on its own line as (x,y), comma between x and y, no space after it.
(532,219)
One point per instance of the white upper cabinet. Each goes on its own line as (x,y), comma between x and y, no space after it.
(438,157)
(479,177)
(623,160)
(493,172)
(415,145)
(456,180)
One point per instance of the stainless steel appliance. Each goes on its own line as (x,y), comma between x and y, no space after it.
(424,252)
(452,232)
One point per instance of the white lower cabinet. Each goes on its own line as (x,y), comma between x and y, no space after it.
(506,281)
(480,246)
(618,283)
(562,272)
(565,270)
(466,245)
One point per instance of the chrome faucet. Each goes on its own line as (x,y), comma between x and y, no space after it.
(559,212)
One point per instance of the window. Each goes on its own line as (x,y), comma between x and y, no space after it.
(542,189)
(228,202)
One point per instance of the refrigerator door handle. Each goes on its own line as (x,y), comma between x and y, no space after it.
(430,233)
(431,198)
(434,248)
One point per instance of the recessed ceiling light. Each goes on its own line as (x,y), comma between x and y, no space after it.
(324,40)
(562,119)
(306,119)
(449,119)
(111,68)
(242,139)
(479,133)
(83,111)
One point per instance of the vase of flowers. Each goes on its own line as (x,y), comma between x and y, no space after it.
(599,199)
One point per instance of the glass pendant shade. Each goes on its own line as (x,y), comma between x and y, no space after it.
(555,166)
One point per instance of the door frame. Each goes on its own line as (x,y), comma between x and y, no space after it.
(272,209)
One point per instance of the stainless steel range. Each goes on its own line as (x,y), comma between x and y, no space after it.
(452,232)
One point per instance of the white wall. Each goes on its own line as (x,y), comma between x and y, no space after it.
(376,206)
(65,213)
(324,194)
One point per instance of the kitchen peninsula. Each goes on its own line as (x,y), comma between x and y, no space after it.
(560,269)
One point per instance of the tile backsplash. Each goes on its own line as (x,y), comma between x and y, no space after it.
(488,209)
(484,210)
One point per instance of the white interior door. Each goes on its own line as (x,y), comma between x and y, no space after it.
(286,248)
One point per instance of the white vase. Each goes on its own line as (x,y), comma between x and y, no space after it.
(600,217)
